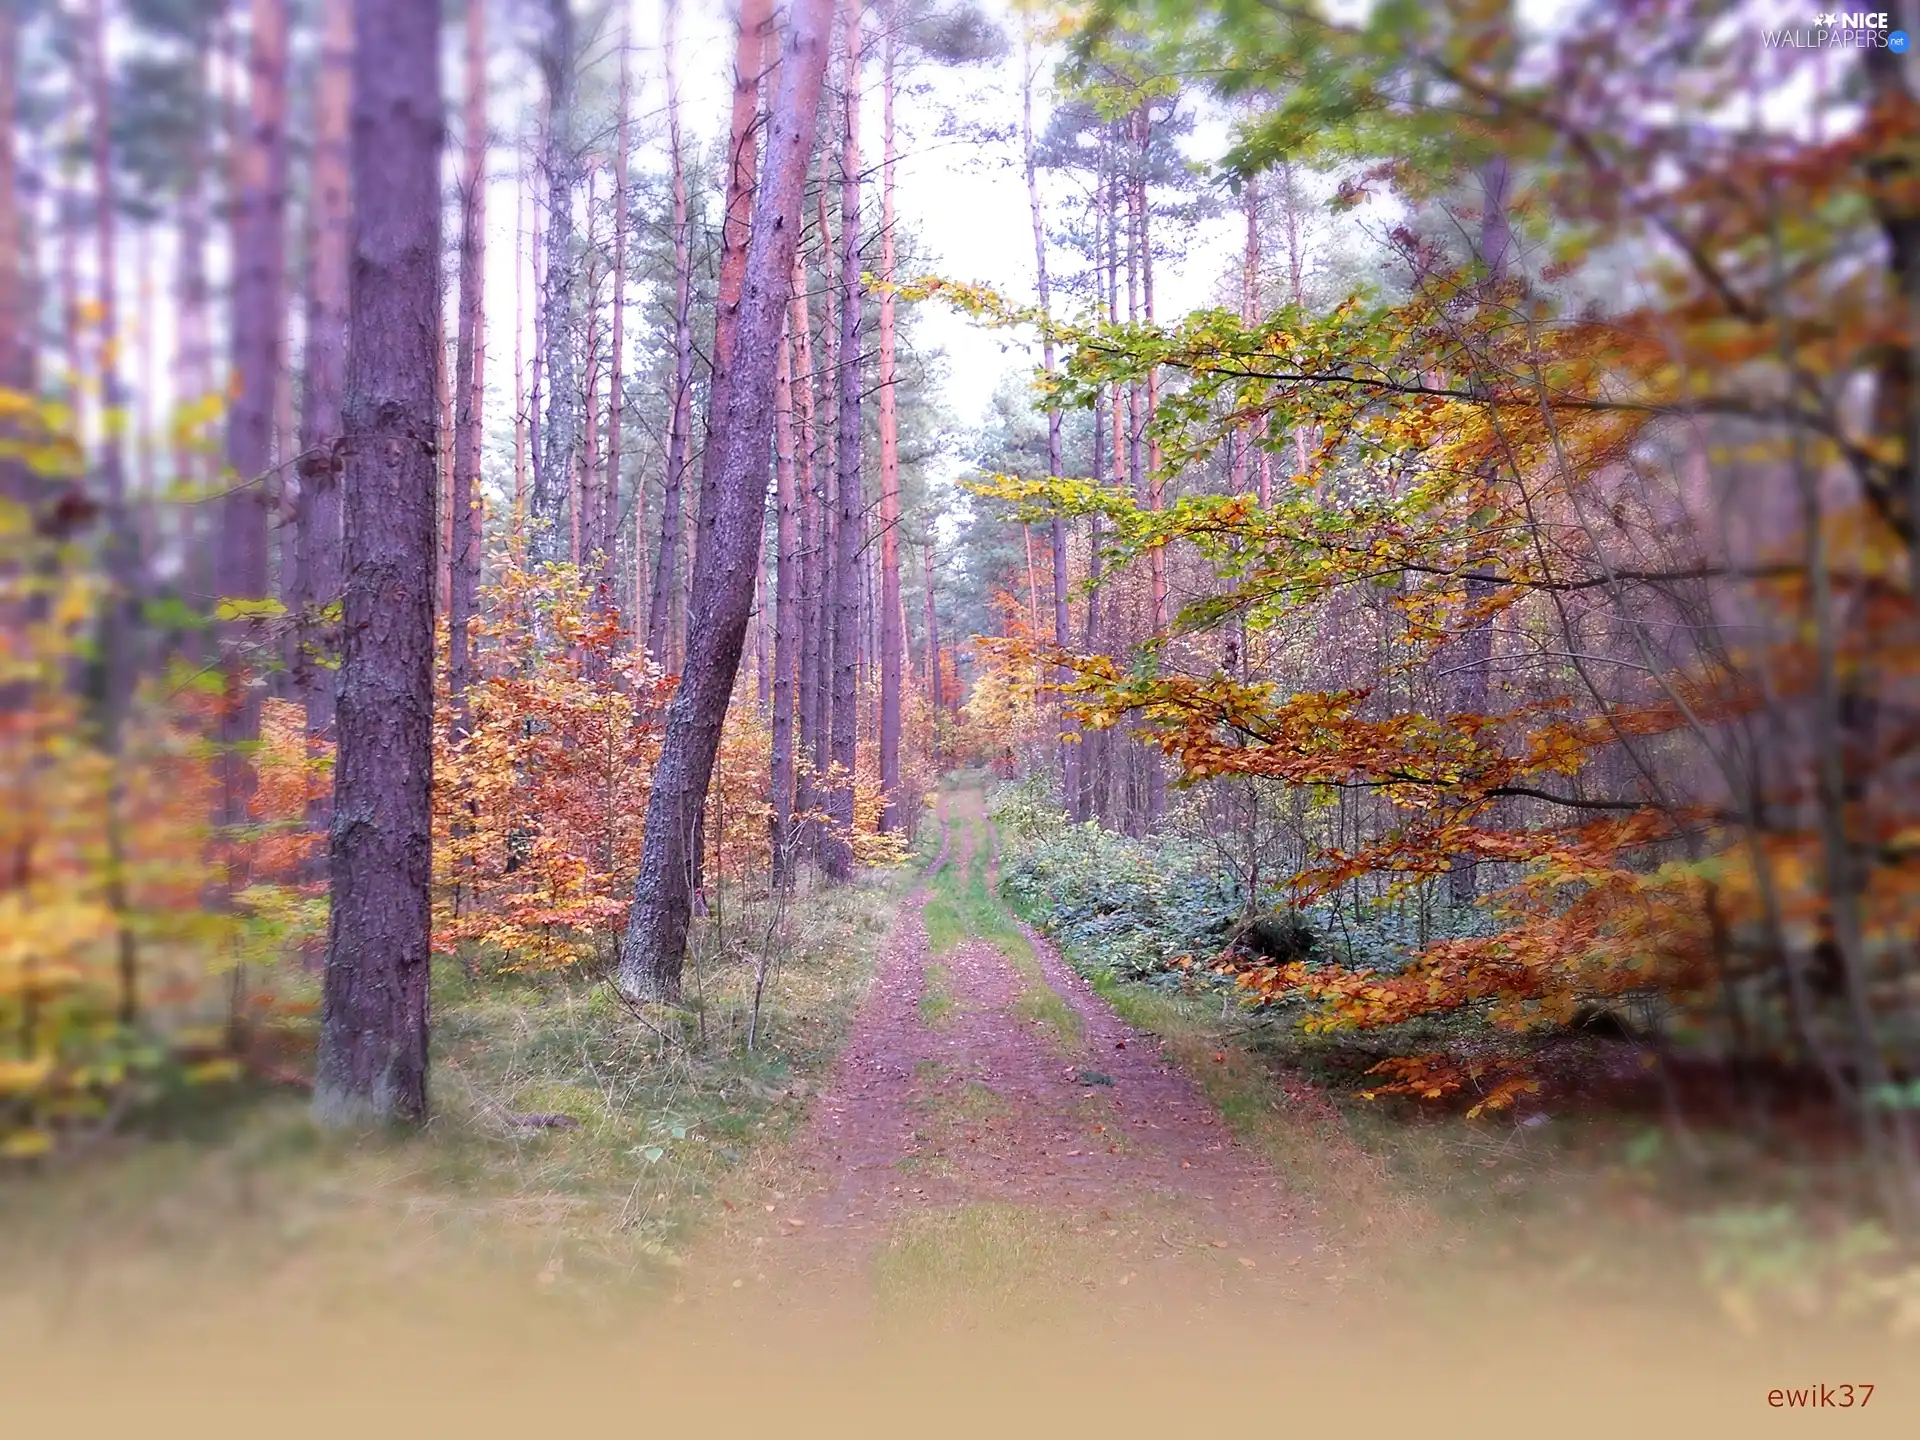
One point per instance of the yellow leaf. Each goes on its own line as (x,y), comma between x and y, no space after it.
(17,1077)
(213,1072)
(25,1144)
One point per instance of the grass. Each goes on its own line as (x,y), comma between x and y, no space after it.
(980,1262)
(963,904)
(936,996)
(221,1187)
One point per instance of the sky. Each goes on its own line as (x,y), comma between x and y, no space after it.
(968,203)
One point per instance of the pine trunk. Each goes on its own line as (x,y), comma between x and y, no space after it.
(680,417)
(893,639)
(553,474)
(837,853)
(606,588)
(469,378)
(786,620)
(655,943)
(259,272)
(373,1026)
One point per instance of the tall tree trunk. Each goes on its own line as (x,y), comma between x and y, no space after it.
(586,506)
(373,1012)
(1057,532)
(193,351)
(893,639)
(469,377)
(936,687)
(123,556)
(260,263)
(837,853)
(736,226)
(827,431)
(786,620)
(655,942)
(1156,775)
(1476,645)
(321,458)
(680,416)
(18,370)
(517,523)
(443,456)
(553,474)
(610,518)
(812,565)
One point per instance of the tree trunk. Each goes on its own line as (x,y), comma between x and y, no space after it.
(123,559)
(811,540)
(893,639)
(605,591)
(1156,776)
(469,378)
(373,1016)
(194,357)
(1057,533)
(680,417)
(259,271)
(655,943)
(318,522)
(786,621)
(517,522)
(935,684)
(18,371)
(553,466)
(837,853)
(1476,645)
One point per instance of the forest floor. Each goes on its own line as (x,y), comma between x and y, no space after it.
(954,1184)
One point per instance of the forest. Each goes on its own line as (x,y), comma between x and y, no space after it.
(1162,652)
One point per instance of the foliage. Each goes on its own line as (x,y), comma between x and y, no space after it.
(1648,504)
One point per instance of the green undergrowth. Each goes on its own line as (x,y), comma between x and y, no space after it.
(1612,1205)
(970,898)
(573,1142)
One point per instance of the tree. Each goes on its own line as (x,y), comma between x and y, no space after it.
(469,375)
(731,526)
(680,411)
(373,1025)
(260,263)
(893,637)
(318,521)
(553,460)
(836,850)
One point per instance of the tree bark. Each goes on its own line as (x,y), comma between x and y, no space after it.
(373,1025)
(553,466)
(469,378)
(812,551)
(517,523)
(1057,531)
(1476,645)
(654,949)
(260,263)
(680,417)
(317,536)
(786,621)
(1156,776)
(893,639)
(610,519)
(836,852)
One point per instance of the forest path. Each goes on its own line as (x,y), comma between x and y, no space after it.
(994,1135)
